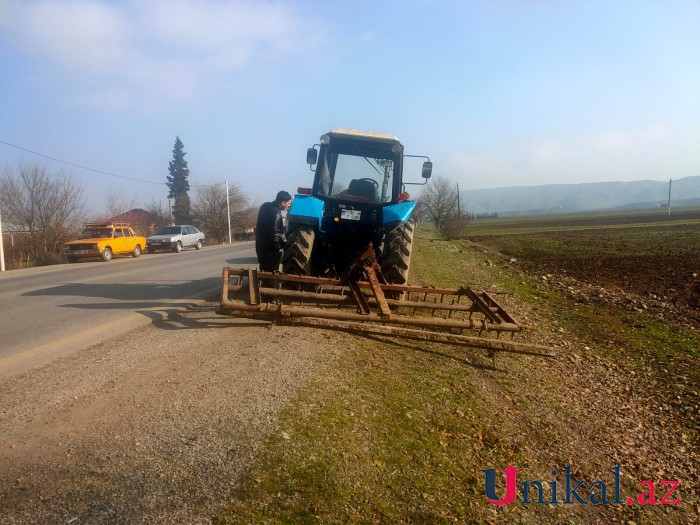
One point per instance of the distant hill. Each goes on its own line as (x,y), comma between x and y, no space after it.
(571,198)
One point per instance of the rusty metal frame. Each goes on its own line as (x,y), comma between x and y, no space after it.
(358,304)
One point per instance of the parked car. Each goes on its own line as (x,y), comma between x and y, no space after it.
(105,240)
(175,238)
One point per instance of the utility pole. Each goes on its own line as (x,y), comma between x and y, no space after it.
(459,212)
(228,214)
(2,247)
(669,195)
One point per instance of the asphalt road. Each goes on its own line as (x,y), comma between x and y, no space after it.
(50,311)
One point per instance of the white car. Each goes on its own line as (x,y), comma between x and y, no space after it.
(175,238)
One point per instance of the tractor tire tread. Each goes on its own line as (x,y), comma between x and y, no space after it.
(296,259)
(396,253)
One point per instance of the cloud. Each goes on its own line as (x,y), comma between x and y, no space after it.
(118,53)
(656,132)
(606,155)
(549,152)
(223,33)
(478,168)
(79,34)
(612,141)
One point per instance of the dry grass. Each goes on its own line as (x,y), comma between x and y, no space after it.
(399,432)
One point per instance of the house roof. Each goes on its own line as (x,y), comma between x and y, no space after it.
(141,221)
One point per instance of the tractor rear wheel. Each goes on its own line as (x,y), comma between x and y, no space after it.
(396,253)
(296,259)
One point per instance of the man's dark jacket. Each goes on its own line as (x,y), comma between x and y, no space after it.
(269,236)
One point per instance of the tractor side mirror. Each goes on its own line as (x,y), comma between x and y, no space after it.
(427,169)
(312,155)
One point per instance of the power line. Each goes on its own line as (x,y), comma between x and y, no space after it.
(78,165)
(106,172)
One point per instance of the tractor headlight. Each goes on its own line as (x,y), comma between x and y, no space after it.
(325,139)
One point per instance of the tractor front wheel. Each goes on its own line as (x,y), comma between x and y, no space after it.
(296,259)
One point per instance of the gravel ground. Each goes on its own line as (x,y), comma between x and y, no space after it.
(156,426)
(160,425)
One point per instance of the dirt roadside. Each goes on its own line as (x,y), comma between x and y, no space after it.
(152,427)
(162,425)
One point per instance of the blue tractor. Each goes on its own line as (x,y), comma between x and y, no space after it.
(346,262)
(358,197)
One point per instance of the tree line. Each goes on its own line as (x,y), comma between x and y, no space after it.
(48,209)
(487,215)
(42,210)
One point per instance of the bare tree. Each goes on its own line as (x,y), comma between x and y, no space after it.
(243,221)
(438,201)
(46,208)
(118,203)
(244,213)
(209,209)
(160,215)
(455,226)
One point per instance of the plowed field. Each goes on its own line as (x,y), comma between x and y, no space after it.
(650,259)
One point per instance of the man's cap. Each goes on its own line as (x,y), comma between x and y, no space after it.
(283,196)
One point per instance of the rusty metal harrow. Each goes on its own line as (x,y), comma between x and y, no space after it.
(359,301)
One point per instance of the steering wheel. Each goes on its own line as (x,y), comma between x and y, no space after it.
(376,184)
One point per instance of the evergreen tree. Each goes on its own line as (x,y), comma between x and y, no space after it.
(178,183)
(181,209)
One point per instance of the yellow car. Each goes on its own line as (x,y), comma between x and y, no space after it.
(105,240)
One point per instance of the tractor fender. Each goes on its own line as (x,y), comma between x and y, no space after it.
(306,210)
(398,212)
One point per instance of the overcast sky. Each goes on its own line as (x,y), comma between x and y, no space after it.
(497,92)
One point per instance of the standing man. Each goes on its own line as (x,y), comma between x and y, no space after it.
(270,235)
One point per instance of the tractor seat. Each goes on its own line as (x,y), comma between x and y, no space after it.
(362,188)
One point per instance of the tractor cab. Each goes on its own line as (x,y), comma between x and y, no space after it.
(360,167)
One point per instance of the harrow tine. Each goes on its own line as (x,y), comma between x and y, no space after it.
(477,342)
(438,314)
(449,312)
(253,286)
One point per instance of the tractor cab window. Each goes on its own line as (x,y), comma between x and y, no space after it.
(358,178)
